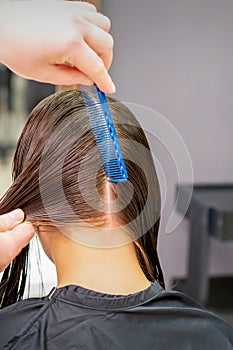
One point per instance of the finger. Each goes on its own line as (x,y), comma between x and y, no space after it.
(93,66)
(20,236)
(101,42)
(98,20)
(107,59)
(62,74)
(98,39)
(84,5)
(12,242)
(10,220)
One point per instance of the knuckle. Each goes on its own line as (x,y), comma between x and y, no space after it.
(80,24)
(76,41)
(84,6)
(92,7)
(110,42)
(107,23)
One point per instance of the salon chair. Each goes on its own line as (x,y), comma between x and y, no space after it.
(211,217)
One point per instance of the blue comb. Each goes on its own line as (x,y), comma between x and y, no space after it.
(105,133)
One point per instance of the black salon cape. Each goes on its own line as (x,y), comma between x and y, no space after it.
(78,318)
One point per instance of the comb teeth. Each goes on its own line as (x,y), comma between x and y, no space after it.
(105,133)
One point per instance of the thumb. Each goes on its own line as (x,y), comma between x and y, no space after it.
(10,220)
(12,242)
(21,235)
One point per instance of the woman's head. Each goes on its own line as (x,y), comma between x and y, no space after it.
(59,181)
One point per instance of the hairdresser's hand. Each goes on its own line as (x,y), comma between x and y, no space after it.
(14,235)
(38,38)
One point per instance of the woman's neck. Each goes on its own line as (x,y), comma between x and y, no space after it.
(107,270)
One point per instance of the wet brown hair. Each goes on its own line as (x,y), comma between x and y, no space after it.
(55,143)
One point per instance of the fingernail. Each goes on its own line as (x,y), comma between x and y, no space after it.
(17,215)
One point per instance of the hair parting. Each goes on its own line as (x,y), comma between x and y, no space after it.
(56,145)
